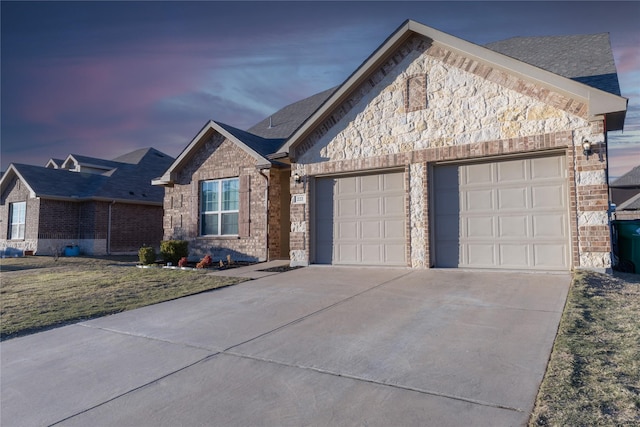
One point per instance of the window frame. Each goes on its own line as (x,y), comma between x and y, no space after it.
(219,211)
(21,222)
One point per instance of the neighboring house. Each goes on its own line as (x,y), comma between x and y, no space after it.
(435,152)
(102,206)
(625,194)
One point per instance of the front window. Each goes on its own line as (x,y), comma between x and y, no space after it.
(17,214)
(219,203)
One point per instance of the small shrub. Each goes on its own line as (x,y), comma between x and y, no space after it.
(147,255)
(173,250)
(183,262)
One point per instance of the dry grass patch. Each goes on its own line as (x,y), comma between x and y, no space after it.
(593,376)
(39,293)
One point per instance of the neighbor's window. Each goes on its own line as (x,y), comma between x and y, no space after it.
(17,215)
(219,203)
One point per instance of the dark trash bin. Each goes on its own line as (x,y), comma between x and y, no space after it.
(628,245)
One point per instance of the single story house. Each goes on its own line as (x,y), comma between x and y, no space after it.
(435,152)
(101,206)
(625,194)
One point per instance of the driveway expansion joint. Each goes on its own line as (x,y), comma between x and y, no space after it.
(133,390)
(306,316)
(147,337)
(372,381)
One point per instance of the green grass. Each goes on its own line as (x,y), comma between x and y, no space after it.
(38,293)
(593,376)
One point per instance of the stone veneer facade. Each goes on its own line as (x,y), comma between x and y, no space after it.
(472,111)
(220,158)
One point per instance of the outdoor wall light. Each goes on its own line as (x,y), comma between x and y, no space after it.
(586,147)
(296,178)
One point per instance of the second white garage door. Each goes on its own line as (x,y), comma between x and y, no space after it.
(360,220)
(508,214)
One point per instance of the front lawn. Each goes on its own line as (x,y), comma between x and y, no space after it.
(593,376)
(39,292)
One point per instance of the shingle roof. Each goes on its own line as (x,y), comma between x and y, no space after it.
(629,179)
(260,145)
(285,121)
(126,182)
(632,204)
(585,58)
(93,161)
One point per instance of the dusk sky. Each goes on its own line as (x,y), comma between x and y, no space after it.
(105,78)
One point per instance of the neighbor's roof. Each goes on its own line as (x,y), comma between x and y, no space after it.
(126,182)
(632,204)
(586,58)
(629,179)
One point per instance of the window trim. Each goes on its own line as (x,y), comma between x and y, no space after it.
(23,223)
(219,212)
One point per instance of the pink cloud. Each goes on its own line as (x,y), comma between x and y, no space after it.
(92,97)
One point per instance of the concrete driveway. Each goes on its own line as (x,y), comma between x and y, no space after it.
(320,346)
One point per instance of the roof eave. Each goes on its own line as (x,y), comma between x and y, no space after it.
(169,176)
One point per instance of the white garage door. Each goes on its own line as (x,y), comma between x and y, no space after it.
(360,220)
(509,214)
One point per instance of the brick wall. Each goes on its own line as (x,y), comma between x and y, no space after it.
(133,226)
(218,158)
(17,191)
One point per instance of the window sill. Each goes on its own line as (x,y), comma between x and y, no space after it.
(234,237)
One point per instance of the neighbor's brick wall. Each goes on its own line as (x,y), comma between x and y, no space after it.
(16,191)
(133,226)
(217,158)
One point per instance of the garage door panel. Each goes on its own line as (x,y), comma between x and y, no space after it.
(346,208)
(370,206)
(514,256)
(513,226)
(479,173)
(479,200)
(347,230)
(551,256)
(480,254)
(547,167)
(549,225)
(548,196)
(479,226)
(370,230)
(394,229)
(370,183)
(393,181)
(368,219)
(346,186)
(503,214)
(393,205)
(512,198)
(511,171)
(394,254)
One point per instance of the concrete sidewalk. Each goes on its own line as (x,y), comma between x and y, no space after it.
(313,346)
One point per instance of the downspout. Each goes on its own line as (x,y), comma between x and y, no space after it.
(113,202)
(609,201)
(261,170)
